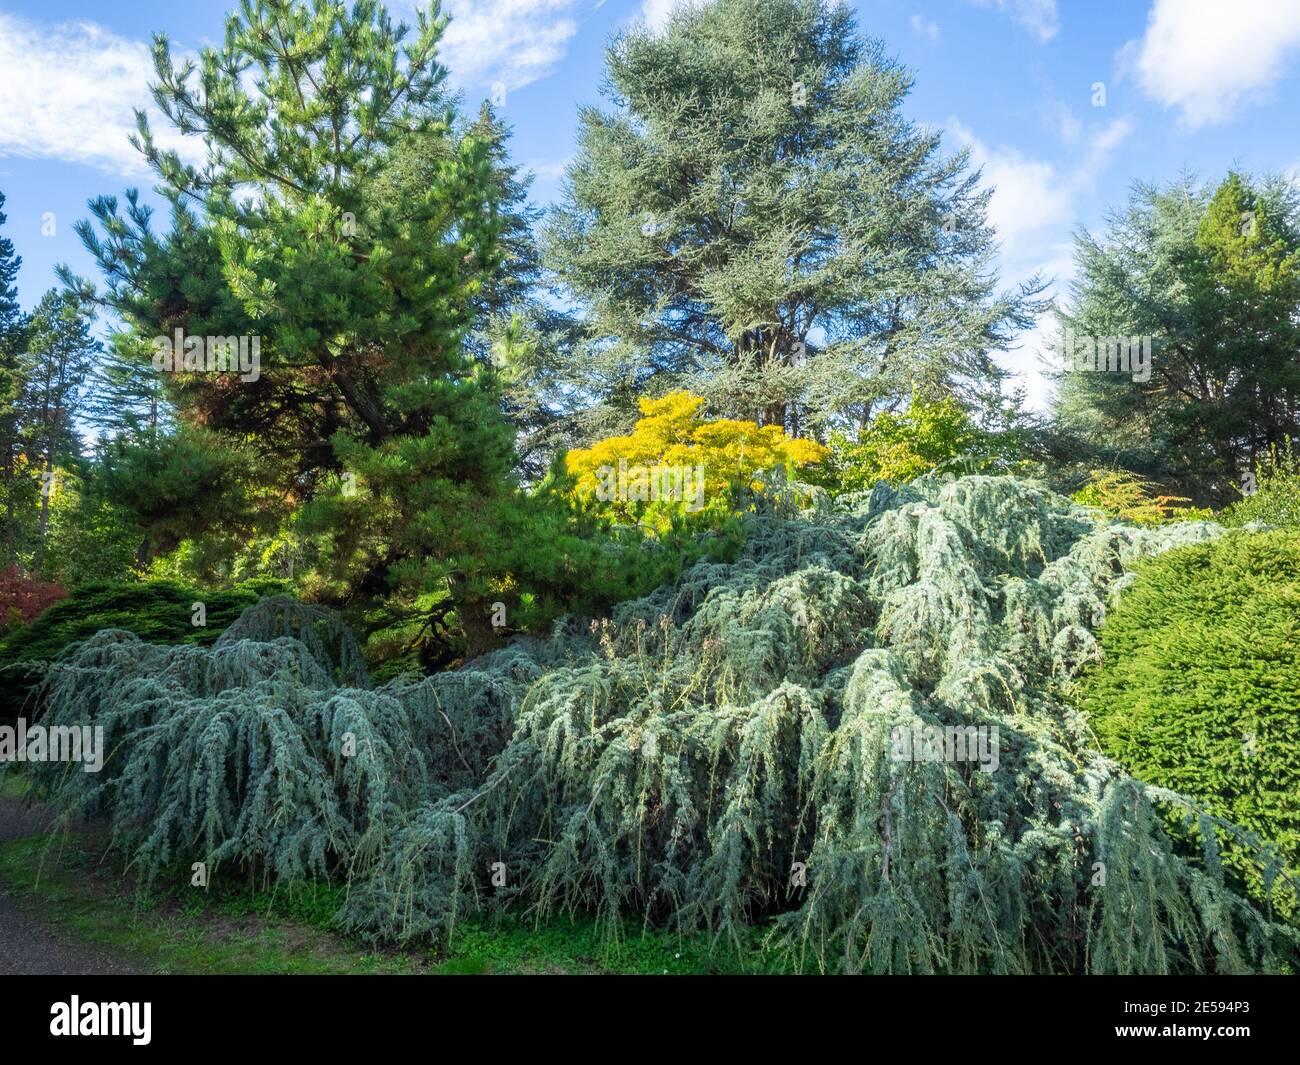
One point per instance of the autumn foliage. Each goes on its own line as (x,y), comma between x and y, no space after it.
(23,599)
(721,462)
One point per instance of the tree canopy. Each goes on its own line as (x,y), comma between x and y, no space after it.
(755,219)
(308,228)
(1212,276)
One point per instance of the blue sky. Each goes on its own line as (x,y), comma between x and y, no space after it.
(1200,85)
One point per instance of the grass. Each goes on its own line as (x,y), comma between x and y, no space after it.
(232,929)
(13,785)
(68,887)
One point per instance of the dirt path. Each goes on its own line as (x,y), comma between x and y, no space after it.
(27,945)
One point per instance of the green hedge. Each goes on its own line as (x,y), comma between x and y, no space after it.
(1200,686)
(157,611)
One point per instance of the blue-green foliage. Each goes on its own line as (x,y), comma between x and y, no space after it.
(716,754)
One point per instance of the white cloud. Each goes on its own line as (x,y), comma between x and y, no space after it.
(547,171)
(1033,207)
(1039,17)
(1028,194)
(1058,116)
(70,89)
(514,42)
(1105,141)
(1032,195)
(69,92)
(1205,57)
(925,27)
(656,13)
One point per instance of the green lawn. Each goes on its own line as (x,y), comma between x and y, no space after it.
(231,929)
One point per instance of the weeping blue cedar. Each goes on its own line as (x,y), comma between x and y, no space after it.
(714,754)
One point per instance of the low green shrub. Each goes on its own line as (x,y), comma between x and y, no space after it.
(1199,689)
(1271,492)
(936,436)
(155,611)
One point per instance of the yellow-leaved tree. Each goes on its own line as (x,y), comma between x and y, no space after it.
(676,466)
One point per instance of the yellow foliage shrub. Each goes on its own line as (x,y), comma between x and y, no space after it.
(1126,496)
(675,463)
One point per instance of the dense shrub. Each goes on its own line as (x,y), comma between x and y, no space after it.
(715,754)
(622,475)
(155,611)
(1272,492)
(1128,497)
(1199,690)
(24,598)
(936,436)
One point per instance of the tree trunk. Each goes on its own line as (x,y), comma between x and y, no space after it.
(474,615)
(47,489)
(10,547)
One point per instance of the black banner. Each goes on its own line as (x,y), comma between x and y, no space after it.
(150,1014)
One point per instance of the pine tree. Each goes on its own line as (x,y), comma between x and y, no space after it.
(512,290)
(58,359)
(360,275)
(755,220)
(523,334)
(514,330)
(12,330)
(127,397)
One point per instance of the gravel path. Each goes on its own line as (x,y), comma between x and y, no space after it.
(28,947)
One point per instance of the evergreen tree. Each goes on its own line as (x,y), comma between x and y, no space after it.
(58,358)
(512,290)
(525,335)
(1212,276)
(305,229)
(12,329)
(755,219)
(514,330)
(127,397)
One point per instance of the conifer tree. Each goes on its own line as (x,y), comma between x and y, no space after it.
(514,330)
(12,328)
(1212,277)
(127,397)
(754,219)
(58,358)
(522,333)
(305,229)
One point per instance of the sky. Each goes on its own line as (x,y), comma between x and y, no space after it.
(1064,104)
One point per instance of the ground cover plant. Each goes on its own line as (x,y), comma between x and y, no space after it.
(237,928)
